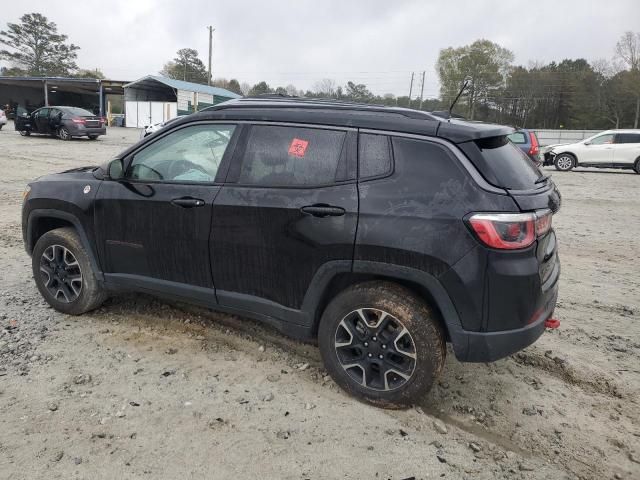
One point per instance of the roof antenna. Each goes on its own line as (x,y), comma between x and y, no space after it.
(466,81)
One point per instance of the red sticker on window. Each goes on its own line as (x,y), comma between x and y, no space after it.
(298,147)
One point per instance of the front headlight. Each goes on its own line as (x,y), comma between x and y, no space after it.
(25,194)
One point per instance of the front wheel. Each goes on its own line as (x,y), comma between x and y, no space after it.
(63,273)
(636,167)
(382,344)
(25,133)
(564,162)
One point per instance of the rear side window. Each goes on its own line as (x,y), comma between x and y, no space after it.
(518,138)
(374,153)
(507,163)
(296,156)
(628,138)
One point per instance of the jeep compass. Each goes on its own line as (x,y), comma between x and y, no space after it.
(381,233)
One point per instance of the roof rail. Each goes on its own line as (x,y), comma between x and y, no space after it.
(284,101)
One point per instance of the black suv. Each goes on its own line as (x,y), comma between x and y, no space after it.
(383,233)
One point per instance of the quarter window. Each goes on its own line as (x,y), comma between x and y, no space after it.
(374,152)
(296,156)
(191,154)
(628,138)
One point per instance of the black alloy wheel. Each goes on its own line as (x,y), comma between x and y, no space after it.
(375,349)
(61,273)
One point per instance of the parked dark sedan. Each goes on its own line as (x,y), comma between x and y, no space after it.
(63,122)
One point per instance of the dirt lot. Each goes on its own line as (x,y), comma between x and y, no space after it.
(144,389)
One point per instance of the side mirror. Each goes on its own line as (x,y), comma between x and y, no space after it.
(587,143)
(116,169)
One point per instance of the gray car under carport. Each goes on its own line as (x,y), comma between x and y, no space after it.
(63,122)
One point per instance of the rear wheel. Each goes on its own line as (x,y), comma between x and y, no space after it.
(63,273)
(636,166)
(63,133)
(564,162)
(382,344)
(93,137)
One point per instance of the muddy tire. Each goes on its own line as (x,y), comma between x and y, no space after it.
(564,162)
(382,344)
(63,274)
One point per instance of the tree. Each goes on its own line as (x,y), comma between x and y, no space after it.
(87,73)
(260,88)
(245,88)
(628,50)
(486,63)
(358,92)
(325,88)
(232,85)
(186,66)
(37,48)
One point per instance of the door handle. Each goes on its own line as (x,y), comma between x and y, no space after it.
(323,210)
(188,202)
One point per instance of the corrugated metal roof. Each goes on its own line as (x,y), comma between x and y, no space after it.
(188,86)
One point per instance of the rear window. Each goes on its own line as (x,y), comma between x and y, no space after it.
(80,112)
(507,164)
(518,138)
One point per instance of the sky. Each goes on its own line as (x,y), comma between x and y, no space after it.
(378,43)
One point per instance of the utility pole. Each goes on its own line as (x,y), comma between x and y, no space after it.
(410,90)
(211,30)
(421,90)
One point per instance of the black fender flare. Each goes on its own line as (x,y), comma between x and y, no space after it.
(69,217)
(324,275)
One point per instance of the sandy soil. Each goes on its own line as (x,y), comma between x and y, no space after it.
(145,389)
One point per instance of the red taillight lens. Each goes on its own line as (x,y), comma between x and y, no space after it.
(78,120)
(535,147)
(543,222)
(510,231)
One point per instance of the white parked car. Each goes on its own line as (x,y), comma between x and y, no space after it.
(3,119)
(609,149)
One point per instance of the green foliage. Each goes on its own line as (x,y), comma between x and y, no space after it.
(87,73)
(260,88)
(36,48)
(186,66)
(485,63)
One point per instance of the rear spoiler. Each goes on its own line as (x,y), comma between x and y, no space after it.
(458,131)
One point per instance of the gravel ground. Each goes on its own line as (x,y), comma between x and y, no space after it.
(146,389)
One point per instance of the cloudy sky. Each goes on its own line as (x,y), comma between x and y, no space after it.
(378,43)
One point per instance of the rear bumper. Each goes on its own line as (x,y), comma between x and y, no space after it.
(82,131)
(490,346)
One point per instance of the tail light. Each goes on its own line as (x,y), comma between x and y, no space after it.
(78,120)
(103,120)
(535,146)
(510,231)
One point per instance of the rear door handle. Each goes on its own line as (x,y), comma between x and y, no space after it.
(188,202)
(323,210)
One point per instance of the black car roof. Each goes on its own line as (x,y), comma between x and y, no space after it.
(347,114)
